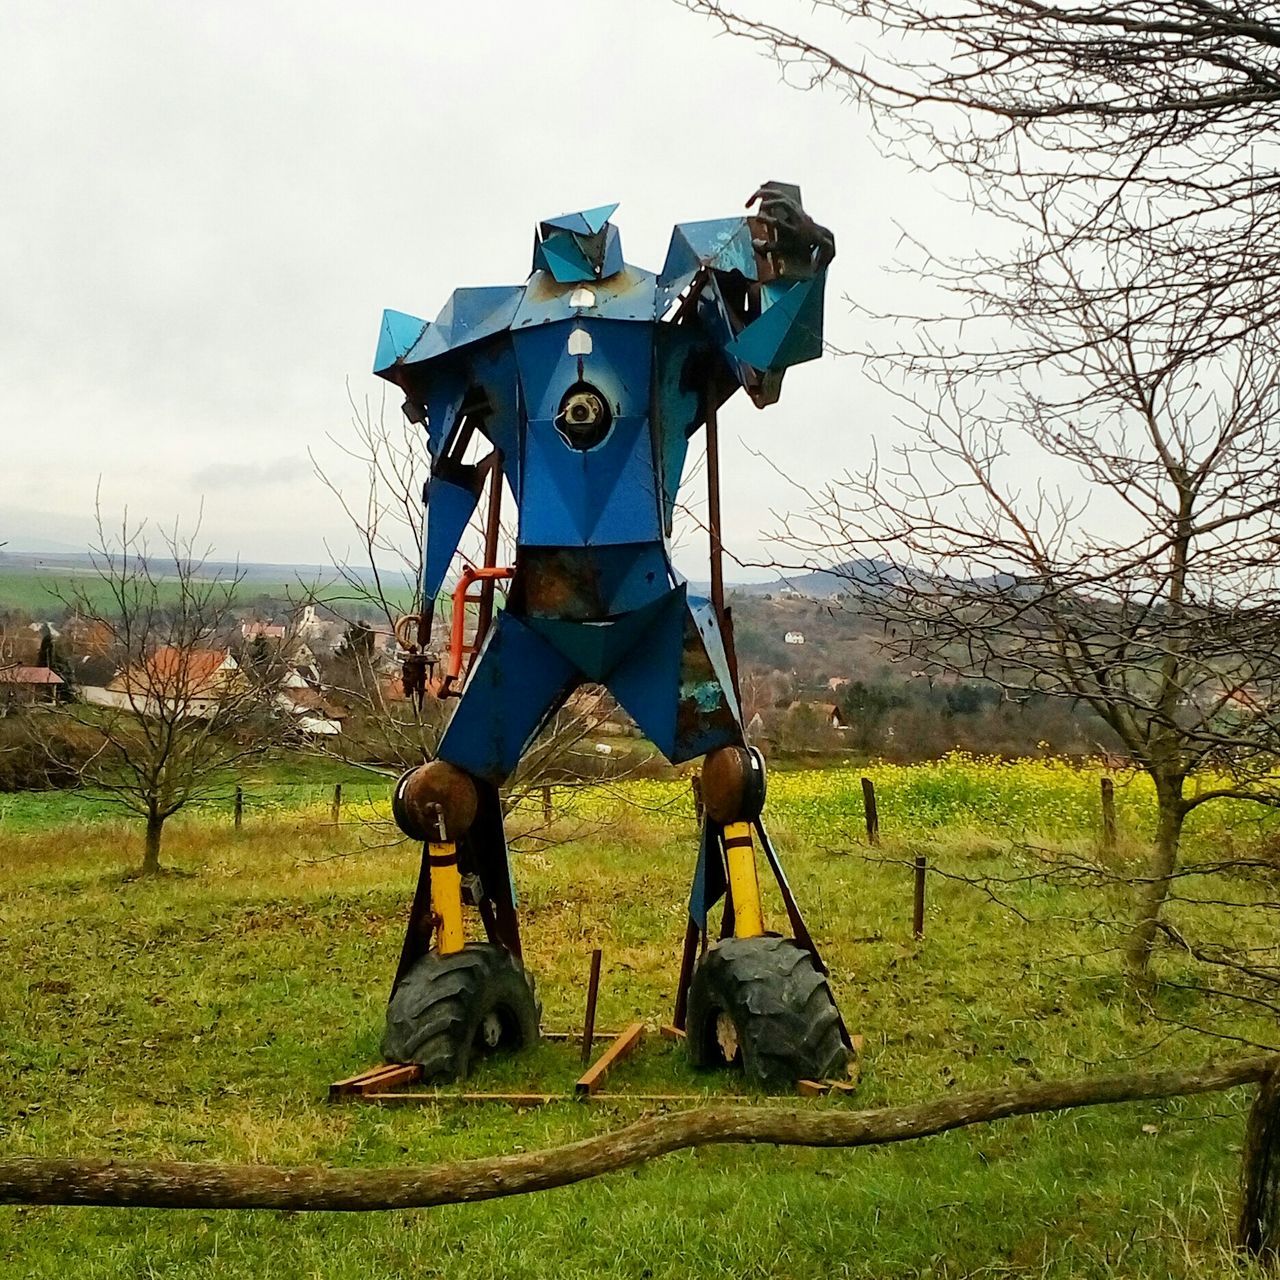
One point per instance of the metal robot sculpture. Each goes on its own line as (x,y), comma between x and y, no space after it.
(588,382)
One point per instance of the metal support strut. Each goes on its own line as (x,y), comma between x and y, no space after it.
(446,897)
(440,861)
(744,881)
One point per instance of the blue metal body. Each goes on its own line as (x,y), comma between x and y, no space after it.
(643,359)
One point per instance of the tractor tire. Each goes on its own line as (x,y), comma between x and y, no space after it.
(760,1003)
(447,1010)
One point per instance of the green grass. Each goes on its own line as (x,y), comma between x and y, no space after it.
(45,592)
(202,1016)
(287,784)
(42,592)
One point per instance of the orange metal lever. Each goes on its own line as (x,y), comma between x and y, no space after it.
(458,646)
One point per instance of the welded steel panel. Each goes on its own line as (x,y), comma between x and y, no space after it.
(397,336)
(450,505)
(628,294)
(597,497)
(518,682)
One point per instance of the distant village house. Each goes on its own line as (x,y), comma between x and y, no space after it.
(28,685)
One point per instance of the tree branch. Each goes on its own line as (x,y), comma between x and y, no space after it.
(172,1185)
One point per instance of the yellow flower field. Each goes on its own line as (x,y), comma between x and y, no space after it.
(1031,799)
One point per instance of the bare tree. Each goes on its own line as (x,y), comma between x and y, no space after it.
(1144,585)
(379,580)
(1143,120)
(179,715)
(1086,506)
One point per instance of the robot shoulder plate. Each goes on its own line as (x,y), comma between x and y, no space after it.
(470,316)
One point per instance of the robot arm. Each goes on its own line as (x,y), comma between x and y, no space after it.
(435,393)
(756,285)
(450,389)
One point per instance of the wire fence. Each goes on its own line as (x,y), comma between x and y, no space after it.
(236,802)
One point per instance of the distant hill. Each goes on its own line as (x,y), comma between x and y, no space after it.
(40,583)
(57,559)
(865,577)
(18,544)
(80,563)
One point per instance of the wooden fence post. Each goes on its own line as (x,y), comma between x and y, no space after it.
(239,809)
(1259,1229)
(546,803)
(695,784)
(337,802)
(873,815)
(917,913)
(1108,815)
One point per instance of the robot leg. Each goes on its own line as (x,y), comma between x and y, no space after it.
(754,999)
(452,998)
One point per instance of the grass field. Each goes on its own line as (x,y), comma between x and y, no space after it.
(40,592)
(200,1016)
(45,592)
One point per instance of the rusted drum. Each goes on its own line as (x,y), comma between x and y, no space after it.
(733,784)
(430,788)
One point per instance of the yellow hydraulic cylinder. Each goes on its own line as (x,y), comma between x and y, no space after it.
(446,898)
(744,882)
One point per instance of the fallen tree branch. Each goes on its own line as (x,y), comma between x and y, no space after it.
(173,1185)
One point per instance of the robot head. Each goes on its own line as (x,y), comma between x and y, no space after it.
(577,247)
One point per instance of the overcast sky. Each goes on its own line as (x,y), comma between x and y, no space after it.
(204,209)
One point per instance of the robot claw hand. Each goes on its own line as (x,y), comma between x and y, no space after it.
(791,235)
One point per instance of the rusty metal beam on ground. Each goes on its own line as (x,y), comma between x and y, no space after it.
(421,1097)
(626,1044)
(376,1078)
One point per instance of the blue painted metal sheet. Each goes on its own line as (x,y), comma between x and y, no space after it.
(579,247)
(597,497)
(469,316)
(676,407)
(596,648)
(627,294)
(623,502)
(397,336)
(612,252)
(707,626)
(518,682)
(564,258)
(592,583)
(709,880)
(491,368)
(450,505)
(586,222)
(723,244)
(788,330)
(442,386)
(555,517)
(630,576)
(474,314)
(707,713)
(647,682)
(618,365)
